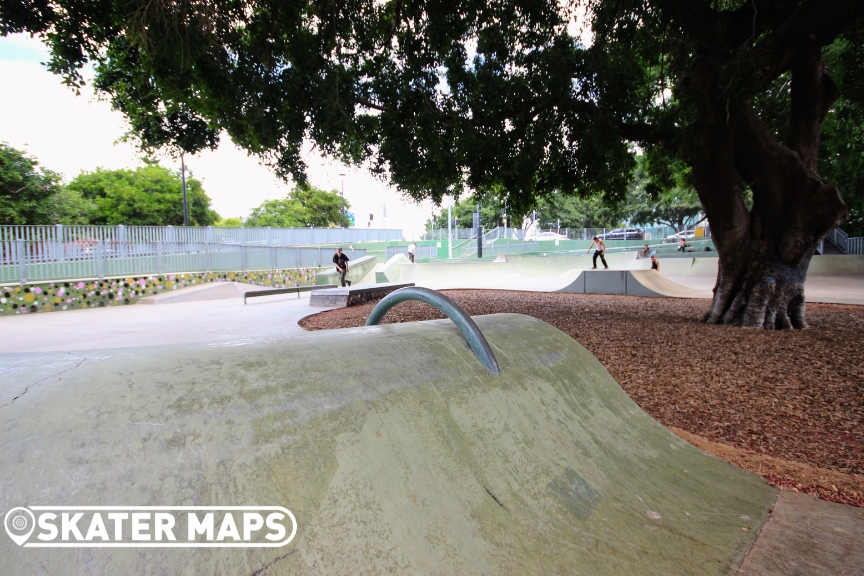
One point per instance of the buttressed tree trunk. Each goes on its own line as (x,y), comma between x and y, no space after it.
(764,252)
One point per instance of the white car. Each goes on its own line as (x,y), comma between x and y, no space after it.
(550,236)
(686,234)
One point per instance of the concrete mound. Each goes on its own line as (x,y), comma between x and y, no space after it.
(404,455)
(210,291)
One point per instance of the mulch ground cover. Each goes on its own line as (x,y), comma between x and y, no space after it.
(786,404)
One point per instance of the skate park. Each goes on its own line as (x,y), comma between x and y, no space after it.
(416,445)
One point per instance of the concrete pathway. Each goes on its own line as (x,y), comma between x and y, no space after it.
(138,325)
(805,536)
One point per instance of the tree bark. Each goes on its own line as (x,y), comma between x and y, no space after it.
(764,253)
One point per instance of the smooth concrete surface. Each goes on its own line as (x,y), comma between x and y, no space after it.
(396,450)
(832,279)
(805,536)
(128,326)
(209,291)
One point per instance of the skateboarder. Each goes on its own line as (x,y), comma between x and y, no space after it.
(600,251)
(341,262)
(655,264)
(412,248)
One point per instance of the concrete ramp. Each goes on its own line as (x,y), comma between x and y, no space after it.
(210,291)
(632,283)
(650,283)
(837,265)
(405,456)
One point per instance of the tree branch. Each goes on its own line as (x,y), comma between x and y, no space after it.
(814,24)
(647,133)
(372,105)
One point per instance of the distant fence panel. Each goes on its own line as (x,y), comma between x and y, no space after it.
(31,253)
(855,245)
(421,251)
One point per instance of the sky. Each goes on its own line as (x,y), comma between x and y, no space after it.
(71,133)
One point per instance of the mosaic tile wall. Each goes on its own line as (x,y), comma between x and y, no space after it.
(79,294)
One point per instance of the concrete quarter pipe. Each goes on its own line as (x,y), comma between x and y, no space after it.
(631,282)
(405,456)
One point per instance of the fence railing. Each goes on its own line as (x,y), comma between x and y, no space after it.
(855,245)
(420,251)
(29,253)
(649,233)
(839,238)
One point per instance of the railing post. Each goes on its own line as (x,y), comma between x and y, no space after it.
(159,256)
(21,255)
(60,244)
(121,240)
(100,258)
(243,257)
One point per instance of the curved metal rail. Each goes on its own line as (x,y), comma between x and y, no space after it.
(463,321)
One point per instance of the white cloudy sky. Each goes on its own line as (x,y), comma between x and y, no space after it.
(69,133)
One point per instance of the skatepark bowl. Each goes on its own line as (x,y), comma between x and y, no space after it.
(395,447)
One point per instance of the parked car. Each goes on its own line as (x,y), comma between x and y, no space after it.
(623,234)
(686,234)
(550,236)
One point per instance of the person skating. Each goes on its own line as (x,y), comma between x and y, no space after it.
(341,262)
(655,264)
(600,251)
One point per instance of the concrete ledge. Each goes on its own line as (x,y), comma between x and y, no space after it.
(289,290)
(343,297)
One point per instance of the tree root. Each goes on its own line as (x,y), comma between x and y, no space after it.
(761,295)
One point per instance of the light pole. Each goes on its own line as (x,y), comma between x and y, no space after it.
(343,199)
(185,201)
(449,230)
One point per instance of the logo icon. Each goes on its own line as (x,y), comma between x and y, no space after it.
(19,523)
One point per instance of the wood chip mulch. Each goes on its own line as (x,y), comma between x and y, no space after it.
(788,405)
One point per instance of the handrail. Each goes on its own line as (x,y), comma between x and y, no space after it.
(463,321)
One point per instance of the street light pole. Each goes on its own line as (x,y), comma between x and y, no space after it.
(185,201)
(343,199)
(449,230)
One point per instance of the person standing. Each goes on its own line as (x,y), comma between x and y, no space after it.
(412,248)
(655,264)
(600,251)
(341,262)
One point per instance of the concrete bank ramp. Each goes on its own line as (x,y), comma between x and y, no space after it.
(404,455)
(210,291)
(646,283)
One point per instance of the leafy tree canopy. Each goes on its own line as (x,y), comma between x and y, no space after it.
(664,194)
(232,222)
(27,190)
(464,210)
(578,212)
(502,95)
(148,196)
(841,158)
(304,206)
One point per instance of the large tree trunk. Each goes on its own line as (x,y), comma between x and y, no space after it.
(765,252)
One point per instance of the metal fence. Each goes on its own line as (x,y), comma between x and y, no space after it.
(420,251)
(29,253)
(648,233)
(855,245)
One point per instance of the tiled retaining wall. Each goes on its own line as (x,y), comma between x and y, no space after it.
(79,294)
